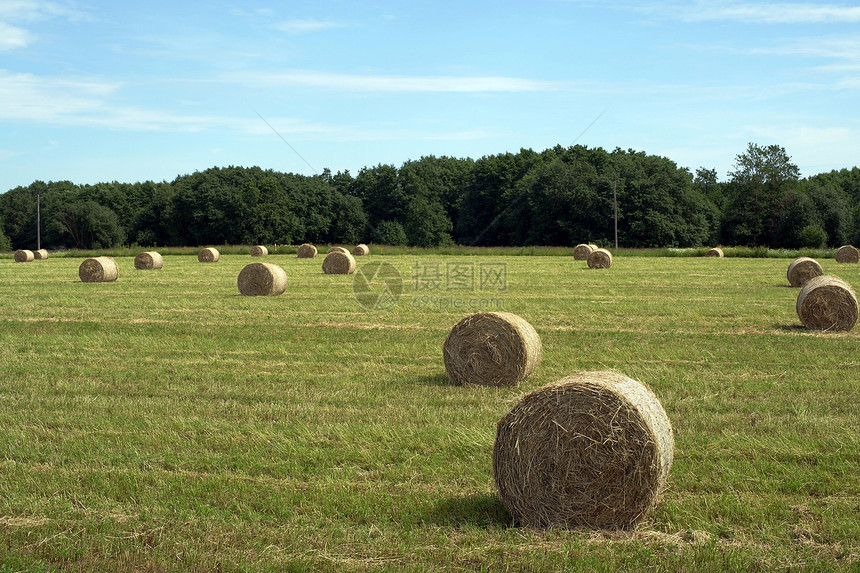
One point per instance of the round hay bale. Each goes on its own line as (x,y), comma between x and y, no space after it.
(491,349)
(262,279)
(40,255)
(24,256)
(827,302)
(259,251)
(599,259)
(715,252)
(847,254)
(307,251)
(802,269)
(98,270)
(148,260)
(338,263)
(338,250)
(360,250)
(581,252)
(208,255)
(593,449)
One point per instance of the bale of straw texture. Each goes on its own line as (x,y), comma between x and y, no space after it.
(581,252)
(306,251)
(847,254)
(148,260)
(262,279)
(599,259)
(338,263)
(40,255)
(24,256)
(593,449)
(827,303)
(715,252)
(259,251)
(802,269)
(360,250)
(98,270)
(491,349)
(338,250)
(208,255)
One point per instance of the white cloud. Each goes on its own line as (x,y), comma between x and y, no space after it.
(757,12)
(12,38)
(386,83)
(306,25)
(33,10)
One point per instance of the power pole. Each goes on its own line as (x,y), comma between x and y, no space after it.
(615,201)
(38,221)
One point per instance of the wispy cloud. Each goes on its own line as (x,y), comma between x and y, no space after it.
(35,10)
(402,84)
(754,12)
(306,26)
(12,38)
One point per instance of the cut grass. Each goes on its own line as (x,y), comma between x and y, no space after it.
(164,422)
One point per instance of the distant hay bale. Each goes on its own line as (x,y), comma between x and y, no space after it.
(360,250)
(338,263)
(208,255)
(847,254)
(491,349)
(802,269)
(593,449)
(581,252)
(262,279)
(40,255)
(338,250)
(98,270)
(715,252)
(148,260)
(259,251)
(599,259)
(306,251)
(827,302)
(24,256)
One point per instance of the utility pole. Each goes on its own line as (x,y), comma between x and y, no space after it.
(615,201)
(38,221)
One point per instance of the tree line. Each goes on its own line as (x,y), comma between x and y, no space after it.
(560,196)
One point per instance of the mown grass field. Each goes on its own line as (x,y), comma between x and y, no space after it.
(163,422)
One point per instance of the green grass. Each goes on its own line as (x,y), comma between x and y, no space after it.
(163,422)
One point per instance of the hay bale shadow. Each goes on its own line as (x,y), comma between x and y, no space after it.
(433,380)
(790,327)
(483,510)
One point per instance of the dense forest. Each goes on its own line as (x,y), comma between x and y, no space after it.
(560,196)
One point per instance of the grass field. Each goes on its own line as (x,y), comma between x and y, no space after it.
(163,422)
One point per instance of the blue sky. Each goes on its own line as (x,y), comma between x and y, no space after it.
(131,91)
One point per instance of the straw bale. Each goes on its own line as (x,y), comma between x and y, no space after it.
(40,255)
(827,302)
(581,252)
(360,250)
(306,251)
(262,279)
(259,251)
(338,250)
(802,269)
(338,263)
(593,449)
(208,255)
(715,252)
(98,270)
(491,349)
(24,256)
(847,254)
(599,259)
(148,260)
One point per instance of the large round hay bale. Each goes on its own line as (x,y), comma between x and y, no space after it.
(802,269)
(24,256)
(40,255)
(262,279)
(827,302)
(361,250)
(306,251)
(98,270)
(208,255)
(491,349)
(593,449)
(148,260)
(715,252)
(847,254)
(259,251)
(599,259)
(338,263)
(581,252)
(338,250)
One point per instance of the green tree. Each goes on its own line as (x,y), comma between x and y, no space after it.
(90,225)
